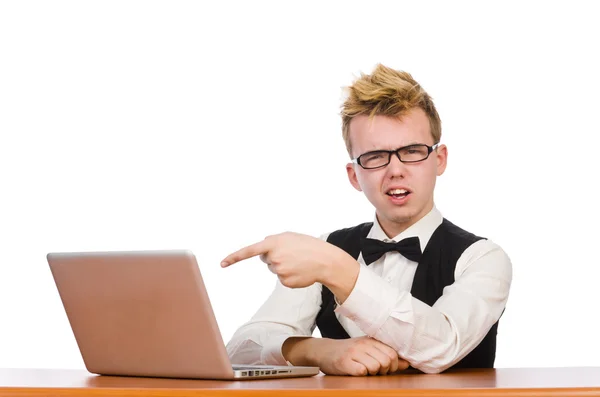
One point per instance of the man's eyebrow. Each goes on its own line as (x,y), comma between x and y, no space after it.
(395,148)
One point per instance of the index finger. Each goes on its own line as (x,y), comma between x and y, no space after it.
(245,253)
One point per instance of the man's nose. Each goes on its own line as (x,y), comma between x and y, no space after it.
(396,167)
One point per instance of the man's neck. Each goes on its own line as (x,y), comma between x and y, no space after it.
(392,229)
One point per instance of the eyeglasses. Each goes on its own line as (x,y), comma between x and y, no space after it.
(406,154)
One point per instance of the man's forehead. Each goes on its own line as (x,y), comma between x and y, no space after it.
(387,133)
(385,146)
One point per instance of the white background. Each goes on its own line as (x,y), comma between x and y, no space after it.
(208,125)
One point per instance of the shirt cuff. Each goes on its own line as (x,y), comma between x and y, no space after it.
(271,353)
(373,300)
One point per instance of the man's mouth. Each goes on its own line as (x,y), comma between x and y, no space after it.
(398,193)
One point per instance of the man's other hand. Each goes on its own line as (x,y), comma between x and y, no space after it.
(355,356)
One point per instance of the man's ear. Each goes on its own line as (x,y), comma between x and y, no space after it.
(441,158)
(352,176)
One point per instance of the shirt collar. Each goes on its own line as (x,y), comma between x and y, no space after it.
(423,229)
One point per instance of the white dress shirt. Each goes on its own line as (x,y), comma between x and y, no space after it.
(430,338)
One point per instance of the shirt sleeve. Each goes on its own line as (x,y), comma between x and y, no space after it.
(287,312)
(433,338)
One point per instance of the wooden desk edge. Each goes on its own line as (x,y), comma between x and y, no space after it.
(165,392)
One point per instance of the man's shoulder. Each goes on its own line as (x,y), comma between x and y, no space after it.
(467,247)
(477,252)
(472,240)
(485,256)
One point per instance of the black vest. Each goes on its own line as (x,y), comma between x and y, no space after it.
(434,272)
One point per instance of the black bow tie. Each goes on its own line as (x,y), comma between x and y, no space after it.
(373,249)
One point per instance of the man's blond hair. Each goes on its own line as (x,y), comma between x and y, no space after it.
(387,92)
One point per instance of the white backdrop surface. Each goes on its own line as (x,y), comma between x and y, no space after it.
(132,125)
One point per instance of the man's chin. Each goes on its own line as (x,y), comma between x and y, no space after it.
(399,216)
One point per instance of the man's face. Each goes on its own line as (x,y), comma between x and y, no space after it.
(396,212)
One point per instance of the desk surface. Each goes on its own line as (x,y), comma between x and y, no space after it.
(497,382)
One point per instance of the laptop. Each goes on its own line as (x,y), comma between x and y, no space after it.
(147,313)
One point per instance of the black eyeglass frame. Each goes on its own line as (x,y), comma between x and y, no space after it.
(397,153)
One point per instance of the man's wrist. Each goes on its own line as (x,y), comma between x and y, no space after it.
(299,351)
(341,274)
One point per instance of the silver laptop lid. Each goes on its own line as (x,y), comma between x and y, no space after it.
(141,314)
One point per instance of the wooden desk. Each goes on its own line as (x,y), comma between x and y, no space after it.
(499,382)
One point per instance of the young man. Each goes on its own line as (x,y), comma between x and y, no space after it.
(409,288)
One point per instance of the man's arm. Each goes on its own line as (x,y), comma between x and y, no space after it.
(433,338)
(287,312)
(280,333)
